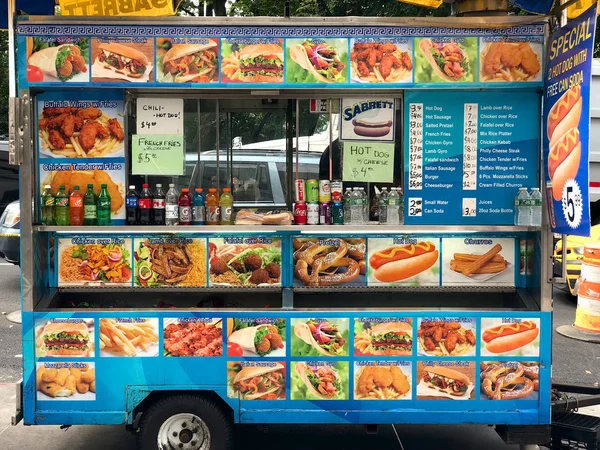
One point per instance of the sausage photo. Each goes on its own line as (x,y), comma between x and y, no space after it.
(364,123)
(372,132)
(565,114)
(401,262)
(508,337)
(563,161)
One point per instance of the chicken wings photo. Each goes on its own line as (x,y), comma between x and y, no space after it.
(382,62)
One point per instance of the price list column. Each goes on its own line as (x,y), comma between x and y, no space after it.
(471,113)
(415,158)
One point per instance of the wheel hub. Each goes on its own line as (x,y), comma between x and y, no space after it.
(184,431)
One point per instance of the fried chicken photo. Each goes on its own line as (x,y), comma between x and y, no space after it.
(375,62)
(115,128)
(509,61)
(89,113)
(56,139)
(88,134)
(446,338)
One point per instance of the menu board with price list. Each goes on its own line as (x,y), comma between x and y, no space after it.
(467,154)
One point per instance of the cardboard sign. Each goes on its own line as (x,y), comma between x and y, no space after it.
(368,162)
(159,115)
(116,8)
(368,119)
(157,154)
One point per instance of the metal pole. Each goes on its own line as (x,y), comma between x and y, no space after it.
(199,146)
(330,101)
(298,137)
(217,114)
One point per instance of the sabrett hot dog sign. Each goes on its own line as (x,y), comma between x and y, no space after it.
(368,119)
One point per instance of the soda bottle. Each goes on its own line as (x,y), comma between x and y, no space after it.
(199,208)
(536,207)
(393,209)
(226,205)
(185,207)
(172,206)
(76,207)
(131,206)
(383,206)
(104,213)
(61,207)
(89,206)
(47,206)
(213,212)
(145,205)
(158,206)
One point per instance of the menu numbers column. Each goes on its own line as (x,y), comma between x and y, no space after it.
(470,147)
(415,147)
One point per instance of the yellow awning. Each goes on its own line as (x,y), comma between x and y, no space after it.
(116,8)
(427,3)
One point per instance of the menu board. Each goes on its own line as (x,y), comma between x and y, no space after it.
(468,154)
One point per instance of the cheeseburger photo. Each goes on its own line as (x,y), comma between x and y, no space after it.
(393,338)
(65,339)
(509,337)
(400,262)
(563,134)
(254,63)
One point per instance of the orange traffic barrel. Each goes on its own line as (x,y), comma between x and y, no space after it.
(587,316)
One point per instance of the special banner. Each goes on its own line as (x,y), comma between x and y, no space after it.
(567,124)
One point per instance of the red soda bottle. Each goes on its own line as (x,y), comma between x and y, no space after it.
(185,207)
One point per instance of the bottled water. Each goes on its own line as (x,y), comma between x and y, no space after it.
(364,203)
(536,207)
(522,208)
(393,209)
(347,206)
(356,212)
(401,206)
(172,206)
(383,198)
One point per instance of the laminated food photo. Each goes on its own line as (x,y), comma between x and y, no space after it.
(383,336)
(193,336)
(187,60)
(330,261)
(316,60)
(129,337)
(478,261)
(447,336)
(509,380)
(122,59)
(510,336)
(516,59)
(256,336)
(252,60)
(451,380)
(62,381)
(247,380)
(317,336)
(381,60)
(445,59)
(64,338)
(320,380)
(383,380)
(52,59)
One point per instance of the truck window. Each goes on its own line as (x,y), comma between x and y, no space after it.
(250,181)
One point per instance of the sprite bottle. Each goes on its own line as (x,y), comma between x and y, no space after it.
(89,206)
(47,206)
(103,207)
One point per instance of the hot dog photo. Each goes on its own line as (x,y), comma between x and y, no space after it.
(404,261)
(122,59)
(474,261)
(565,144)
(510,336)
(368,119)
(451,380)
(509,380)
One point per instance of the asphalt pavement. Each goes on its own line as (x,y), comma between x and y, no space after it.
(574,362)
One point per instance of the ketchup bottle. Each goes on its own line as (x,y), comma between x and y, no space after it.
(185,207)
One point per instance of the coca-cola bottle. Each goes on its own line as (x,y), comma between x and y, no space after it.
(145,206)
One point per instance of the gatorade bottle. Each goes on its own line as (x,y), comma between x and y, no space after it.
(89,206)
(61,207)
(199,208)
(213,212)
(226,205)
(104,210)
(185,207)
(76,207)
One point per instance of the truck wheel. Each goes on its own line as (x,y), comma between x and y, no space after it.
(185,422)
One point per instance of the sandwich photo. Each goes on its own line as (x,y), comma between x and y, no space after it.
(188,63)
(508,337)
(66,339)
(320,59)
(447,337)
(256,338)
(51,60)
(403,261)
(448,59)
(254,63)
(381,382)
(446,380)
(320,337)
(256,383)
(511,62)
(381,62)
(565,145)
(114,60)
(321,381)
(392,338)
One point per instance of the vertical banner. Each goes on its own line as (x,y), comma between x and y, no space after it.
(567,124)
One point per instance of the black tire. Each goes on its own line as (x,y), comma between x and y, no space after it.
(219,423)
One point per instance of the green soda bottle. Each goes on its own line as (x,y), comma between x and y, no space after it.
(61,207)
(47,206)
(89,206)
(103,208)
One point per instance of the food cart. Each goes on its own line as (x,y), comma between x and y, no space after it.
(180,331)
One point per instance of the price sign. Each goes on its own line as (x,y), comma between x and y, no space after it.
(469,207)
(156,115)
(415,207)
(415,146)
(368,162)
(157,154)
(470,147)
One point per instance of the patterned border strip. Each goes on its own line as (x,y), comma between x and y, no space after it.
(281,32)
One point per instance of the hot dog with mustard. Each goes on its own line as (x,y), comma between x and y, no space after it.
(563,161)
(402,262)
(511,336)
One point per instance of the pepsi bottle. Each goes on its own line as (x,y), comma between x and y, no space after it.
(131,206)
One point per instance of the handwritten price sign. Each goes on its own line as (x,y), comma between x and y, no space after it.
(157,154)
(159,114)
(368,162)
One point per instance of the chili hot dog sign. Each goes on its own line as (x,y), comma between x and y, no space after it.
(567,124)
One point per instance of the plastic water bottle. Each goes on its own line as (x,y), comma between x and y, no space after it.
(172,206)
(400,206)
(383,204)
(522,208)
(393,209)
(347,206)
(364,203)
(536,207)
(356,207)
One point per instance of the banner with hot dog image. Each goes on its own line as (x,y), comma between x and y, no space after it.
(567,124)
(404,261)
(368,119)
(510,336)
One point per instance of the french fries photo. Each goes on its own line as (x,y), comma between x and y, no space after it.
(66,381)
(128,337)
